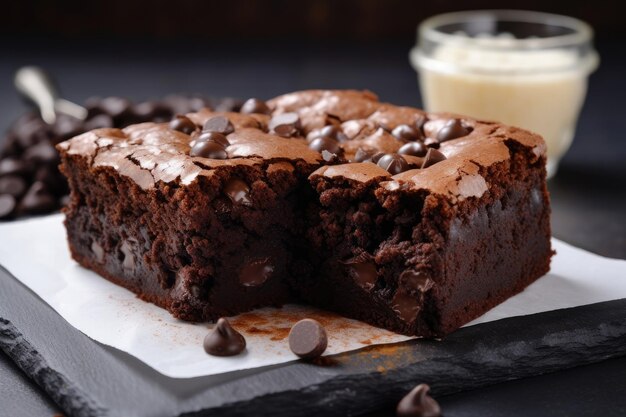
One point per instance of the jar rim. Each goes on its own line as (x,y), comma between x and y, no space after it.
(582,32)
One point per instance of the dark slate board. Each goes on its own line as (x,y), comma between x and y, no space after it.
(88,379)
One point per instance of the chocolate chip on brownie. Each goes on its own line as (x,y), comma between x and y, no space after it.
(209,149)
(432,157)
(413,149)
(213,137)
(325,143)
(238,192)
(393,163)
(183,124)
(254,105)
(334,132)
(453,129)
(219,124)
(407,133)
(286,125)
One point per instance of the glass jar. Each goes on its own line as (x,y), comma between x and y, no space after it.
(521,68)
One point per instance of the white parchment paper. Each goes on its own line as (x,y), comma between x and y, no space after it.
(35,251)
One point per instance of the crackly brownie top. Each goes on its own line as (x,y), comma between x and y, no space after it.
(348,134)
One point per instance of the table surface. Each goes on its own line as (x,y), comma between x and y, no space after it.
(588,193)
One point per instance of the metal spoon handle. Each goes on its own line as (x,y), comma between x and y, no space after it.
(35,84)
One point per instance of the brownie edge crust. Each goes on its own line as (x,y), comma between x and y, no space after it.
(410,221)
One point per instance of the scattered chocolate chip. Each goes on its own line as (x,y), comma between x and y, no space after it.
(407,133)
(307,339)
(65,200)
(254,105)
(333,132)
(183,124)
(223,340)
(7,205)
(285,125)
(12,185)
(432,157)
(256,273)
(453,129)
(393,163)
(37,200)
(432,143)
(219,124)
(213,137)
(418,403)
(420,121)
(209,149)
(413,149)
(238,192)
(325,143)
(363,155)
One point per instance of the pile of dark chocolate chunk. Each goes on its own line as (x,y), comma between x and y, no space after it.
(30,181)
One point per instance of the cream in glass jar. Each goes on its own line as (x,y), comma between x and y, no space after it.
(525,69)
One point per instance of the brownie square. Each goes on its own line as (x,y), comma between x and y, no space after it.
(410,221)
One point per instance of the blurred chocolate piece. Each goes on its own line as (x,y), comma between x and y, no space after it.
(393,163)
(37,200)
(285,125)
(219,124)
(418,403)
(7,205)
(183,124)
(413,149)
(12,185)
(254,105)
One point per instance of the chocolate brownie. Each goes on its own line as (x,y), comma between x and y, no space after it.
(410,221)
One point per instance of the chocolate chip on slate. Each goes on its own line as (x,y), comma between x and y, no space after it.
(114,106)
(333,132)
(413,149)
(224,340)
(183,124)
(219,124)
(363,155)
(432,157)
(285,125)
(213,137)
(393,163)
(407,133)
(256,272)
(325,143)
(37,200)
(7,205)
(432,143)
(453,129)
(238,192)
(209,149)
(418,403)
(254,105)
(12,185)
(307,339)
